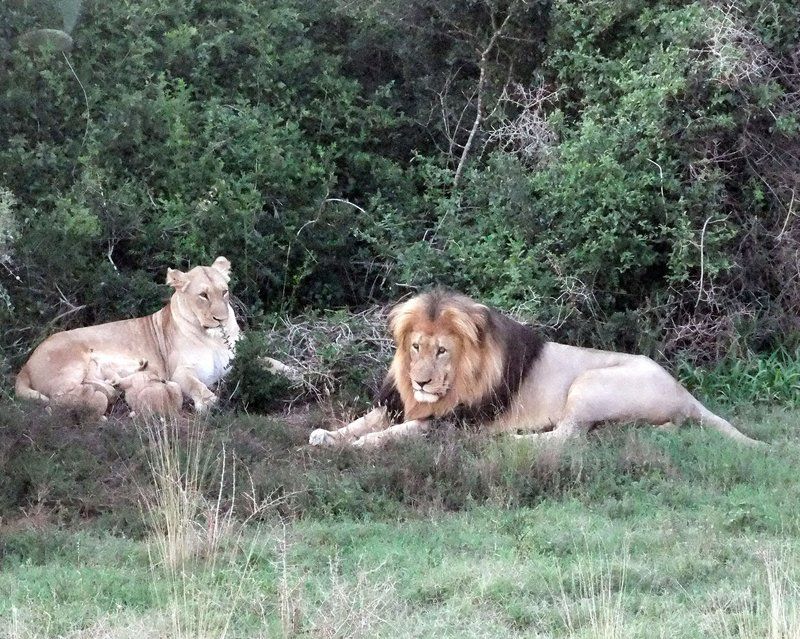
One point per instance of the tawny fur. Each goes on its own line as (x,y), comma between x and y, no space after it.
(105,375)
(148,394)
(190,342)
(454,355)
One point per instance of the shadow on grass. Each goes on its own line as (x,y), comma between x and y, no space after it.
(54,468)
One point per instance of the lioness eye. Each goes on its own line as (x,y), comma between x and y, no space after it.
(204,295)
(415,347)
(442,350)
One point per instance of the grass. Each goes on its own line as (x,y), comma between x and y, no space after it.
(767,378)
(551,571)
(636,533)
(196,545)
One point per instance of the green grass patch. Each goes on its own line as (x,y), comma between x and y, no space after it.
(457,535)
(765,379)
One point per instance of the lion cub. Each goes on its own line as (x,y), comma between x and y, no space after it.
(146,393)
(106,373)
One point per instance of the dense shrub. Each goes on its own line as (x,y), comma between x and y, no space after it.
(625,173)
(338,356)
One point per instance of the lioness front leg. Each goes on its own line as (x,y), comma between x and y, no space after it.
(376,419)
(400,431)
(191,386)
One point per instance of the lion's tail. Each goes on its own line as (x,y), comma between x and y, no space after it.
(23,389)
(707,418)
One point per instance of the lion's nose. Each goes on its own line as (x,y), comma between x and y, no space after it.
(422,384)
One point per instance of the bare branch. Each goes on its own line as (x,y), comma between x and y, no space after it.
(528,133)
(498,31)
(702,255)
(788,216)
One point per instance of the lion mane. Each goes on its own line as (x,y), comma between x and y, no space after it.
(497,353)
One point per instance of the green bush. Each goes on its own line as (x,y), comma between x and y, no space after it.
(252,385)
(630,179)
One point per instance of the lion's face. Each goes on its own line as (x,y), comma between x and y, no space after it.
(443,357)
(201,295)
(433,360)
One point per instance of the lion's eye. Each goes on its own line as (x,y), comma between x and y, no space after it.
(204,295)
(441,351)
(415,347)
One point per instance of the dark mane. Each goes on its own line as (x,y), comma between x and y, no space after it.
(389,397)
(522,346)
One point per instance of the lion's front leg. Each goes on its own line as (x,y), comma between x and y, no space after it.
(376,419)
(191,386)
(411,428)
(565,429)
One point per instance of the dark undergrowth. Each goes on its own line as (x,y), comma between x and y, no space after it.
(55,469)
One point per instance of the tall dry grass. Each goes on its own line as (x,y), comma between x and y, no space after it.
(770,613)
(200,553)
(592,602)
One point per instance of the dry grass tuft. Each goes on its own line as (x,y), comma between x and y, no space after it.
(594,608)
(771,613)
(197,545)
(352,609)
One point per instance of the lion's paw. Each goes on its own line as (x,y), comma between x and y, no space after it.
(322,437)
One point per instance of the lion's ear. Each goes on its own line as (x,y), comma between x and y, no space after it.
(222,265)
(177,279)
(470,320)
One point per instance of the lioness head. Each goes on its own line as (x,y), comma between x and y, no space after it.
(445,353)
(201,294)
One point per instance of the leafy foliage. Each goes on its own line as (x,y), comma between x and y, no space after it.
(317,145)
(772,378)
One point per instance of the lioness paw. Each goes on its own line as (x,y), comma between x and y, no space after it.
(202,404)
(322,437)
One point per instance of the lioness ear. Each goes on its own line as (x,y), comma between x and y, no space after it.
(222,265)
(177,279)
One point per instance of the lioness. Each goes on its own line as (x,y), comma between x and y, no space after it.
(455,357)
(190,341)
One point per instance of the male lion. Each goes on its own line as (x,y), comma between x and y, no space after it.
(190,342)
(455,357)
